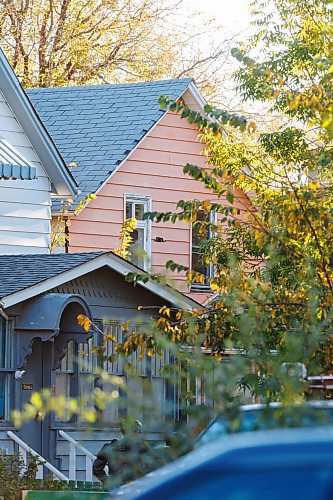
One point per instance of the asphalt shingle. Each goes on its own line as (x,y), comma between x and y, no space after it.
(103,122)
(29,270)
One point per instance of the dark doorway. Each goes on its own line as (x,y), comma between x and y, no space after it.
(37,376)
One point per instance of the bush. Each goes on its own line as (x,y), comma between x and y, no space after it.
(14,477)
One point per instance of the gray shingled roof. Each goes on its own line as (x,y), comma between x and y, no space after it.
(18,272)
(98,126)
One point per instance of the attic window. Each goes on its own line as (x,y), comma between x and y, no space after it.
(135,207)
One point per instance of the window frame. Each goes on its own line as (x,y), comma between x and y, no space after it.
(142,224)
(197,287)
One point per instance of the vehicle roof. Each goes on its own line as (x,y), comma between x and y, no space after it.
(233,454)
(276,404)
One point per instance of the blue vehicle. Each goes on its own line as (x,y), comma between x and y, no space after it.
(254,417)
(284,464)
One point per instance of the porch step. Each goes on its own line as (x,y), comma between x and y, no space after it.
(65,495)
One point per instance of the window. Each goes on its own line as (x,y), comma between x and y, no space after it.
(6,368)
(65,375)
(135,207)
(200,235)
(90,366)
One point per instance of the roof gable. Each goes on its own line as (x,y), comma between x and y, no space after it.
(61,178)
(25,276)
(98,126)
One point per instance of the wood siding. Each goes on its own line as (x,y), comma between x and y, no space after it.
(154,168)
(25,206)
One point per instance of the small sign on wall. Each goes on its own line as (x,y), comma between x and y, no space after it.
(27,387)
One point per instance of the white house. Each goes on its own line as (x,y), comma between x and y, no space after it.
(31,171)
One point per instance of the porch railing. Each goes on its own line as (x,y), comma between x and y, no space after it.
(74,446)
(25,450)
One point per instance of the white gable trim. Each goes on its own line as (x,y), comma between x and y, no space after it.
(110,260)
(35,130)
(197,95)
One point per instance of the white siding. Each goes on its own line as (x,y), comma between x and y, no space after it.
(25,206)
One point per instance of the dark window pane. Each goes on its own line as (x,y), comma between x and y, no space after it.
(200,234)
(128,210)
(137,247)
(139,211)
(3,394)
(197,264)
(3,343)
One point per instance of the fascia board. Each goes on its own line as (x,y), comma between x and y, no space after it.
(2,313)
(35,130)
(113,262)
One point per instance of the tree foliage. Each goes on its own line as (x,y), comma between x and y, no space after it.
(272,254)
(61,223)
(78,42)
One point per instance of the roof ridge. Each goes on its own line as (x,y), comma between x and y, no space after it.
(42,255)
(108,85)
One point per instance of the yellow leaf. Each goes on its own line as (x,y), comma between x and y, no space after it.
(36,400)
(206,205)
(252,127)
(294,103)
(214,287)
(90,415)
(83,321)
(112,338)
(313,186)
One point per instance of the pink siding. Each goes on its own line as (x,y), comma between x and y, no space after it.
(155,168)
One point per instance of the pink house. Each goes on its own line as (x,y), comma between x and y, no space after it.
(131,154)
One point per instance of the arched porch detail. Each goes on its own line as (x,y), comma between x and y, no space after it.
(46,317)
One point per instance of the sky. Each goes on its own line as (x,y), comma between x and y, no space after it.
(234,18)
(233,15)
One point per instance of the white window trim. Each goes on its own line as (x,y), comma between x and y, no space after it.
(8,368)
(197,287)
(147,200)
